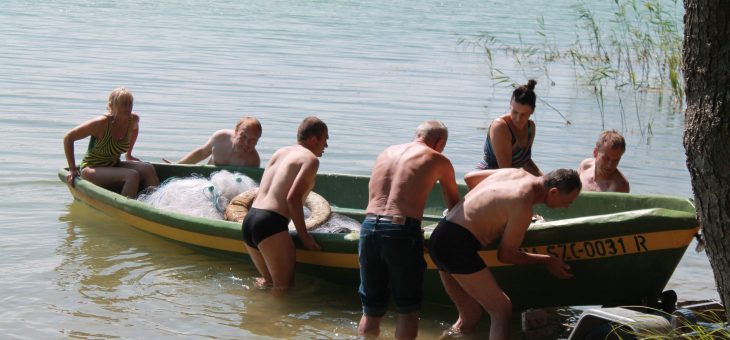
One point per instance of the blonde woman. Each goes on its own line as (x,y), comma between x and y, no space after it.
(112,135)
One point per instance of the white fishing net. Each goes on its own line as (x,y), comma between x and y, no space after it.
(337,223)
(197,195)
(208,197)
(229,184)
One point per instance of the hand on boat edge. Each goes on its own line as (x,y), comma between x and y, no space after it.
(558,268)
(309,242)
(70,178)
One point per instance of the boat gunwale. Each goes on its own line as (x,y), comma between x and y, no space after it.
(538,234)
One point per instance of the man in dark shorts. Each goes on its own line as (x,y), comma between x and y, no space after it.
(391,238)
(287,180)
(498,206)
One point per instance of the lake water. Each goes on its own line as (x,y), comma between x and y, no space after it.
(371,70)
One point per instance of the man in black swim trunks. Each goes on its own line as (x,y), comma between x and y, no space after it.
(391,238)
(287,180)
(499,204)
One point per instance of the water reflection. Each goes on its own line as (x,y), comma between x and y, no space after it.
(116,277)
(314,309)
(113,274)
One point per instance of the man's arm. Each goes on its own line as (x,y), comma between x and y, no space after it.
(509,247)
(256,163)
(623,183)
(301,185)
(199,153)
(584,164)
(448,184)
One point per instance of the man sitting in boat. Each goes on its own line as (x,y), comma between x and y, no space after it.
(601,172)
(230,147)
(391,238)
(287,180)
(497,207)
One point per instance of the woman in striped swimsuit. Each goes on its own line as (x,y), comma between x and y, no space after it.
(112,135)
(509,138)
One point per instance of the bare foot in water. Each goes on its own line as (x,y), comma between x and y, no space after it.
(458,330)
(451,333)
(262,283)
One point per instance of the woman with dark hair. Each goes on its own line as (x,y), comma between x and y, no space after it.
(509,137)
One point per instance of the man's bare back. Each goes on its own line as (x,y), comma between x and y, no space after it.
(499,205)
(504,196)
(283,169)
(403,176)
(287,180)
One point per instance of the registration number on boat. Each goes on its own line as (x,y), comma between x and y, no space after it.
(593,248)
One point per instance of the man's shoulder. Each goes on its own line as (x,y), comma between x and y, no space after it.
(295,152)
(586,163)
(620,179)
(397,147)
(222,133)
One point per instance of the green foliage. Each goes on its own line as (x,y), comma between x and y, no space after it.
(637,51)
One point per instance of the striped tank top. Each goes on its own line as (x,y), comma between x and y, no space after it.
(520,156)
(106,151)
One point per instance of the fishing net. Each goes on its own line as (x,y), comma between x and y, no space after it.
(337,223)
(197,195)
(208,197)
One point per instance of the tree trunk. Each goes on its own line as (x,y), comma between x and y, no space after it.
(706,63)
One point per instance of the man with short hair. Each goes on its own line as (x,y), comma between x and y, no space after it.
(287,180)
(601,172)
(230,147)
(498,207)
(391,238)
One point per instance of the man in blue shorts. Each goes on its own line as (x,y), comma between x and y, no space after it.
(391,238)
(498,206)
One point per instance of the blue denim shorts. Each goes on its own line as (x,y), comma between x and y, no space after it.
(391,259)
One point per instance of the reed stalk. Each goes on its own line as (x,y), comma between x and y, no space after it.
(635,50)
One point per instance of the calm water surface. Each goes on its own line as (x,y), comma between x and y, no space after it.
(372,70)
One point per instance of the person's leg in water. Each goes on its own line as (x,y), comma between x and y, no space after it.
(279,253)
(470,311)
(484,288)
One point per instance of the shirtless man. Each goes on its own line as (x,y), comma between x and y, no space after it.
(287,180)
(601,172)
(230,147)
(391,238)
(498,206)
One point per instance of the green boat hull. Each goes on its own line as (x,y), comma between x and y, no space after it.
(622,248)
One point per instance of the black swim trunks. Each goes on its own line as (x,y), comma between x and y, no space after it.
(454,249)
(260,224)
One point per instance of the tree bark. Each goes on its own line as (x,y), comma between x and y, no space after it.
(706,64)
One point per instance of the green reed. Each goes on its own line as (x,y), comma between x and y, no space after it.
(635,50)
(711,327)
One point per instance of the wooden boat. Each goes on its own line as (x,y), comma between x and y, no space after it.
(622,248)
